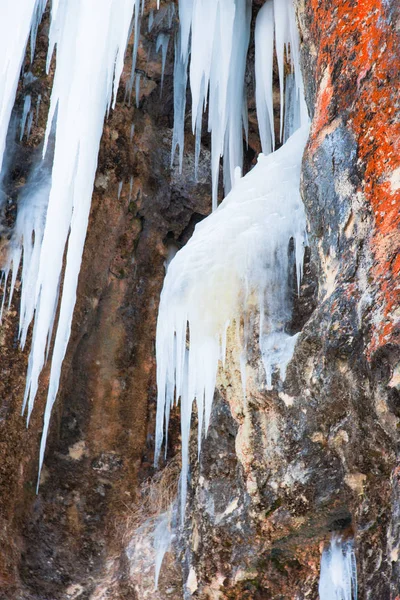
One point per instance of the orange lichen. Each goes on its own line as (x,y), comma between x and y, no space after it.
(359,49)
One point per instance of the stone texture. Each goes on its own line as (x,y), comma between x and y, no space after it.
(280,470)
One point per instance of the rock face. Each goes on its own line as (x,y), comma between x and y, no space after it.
(279,471)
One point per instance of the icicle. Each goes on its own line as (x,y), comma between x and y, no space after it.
(264,49)
(29,126)
(238,253)
(39,99)
(233,141)
(338,579)
(162,43)
(292,107)
(151,20)
(25,111)
(40,8)
(180,84)
(120,189)
(16,19)
(137,89)
(219,40)
(132,132)
(136,27)
(170,14)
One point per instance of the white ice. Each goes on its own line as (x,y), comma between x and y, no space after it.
(338,578)
(90,39)
(215,35)
(235,264)
(17,17)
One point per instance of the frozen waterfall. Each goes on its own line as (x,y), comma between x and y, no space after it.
(237,257)
(338,579)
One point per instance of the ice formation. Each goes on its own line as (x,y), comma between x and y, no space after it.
(236,261)
(215,34)
(163,537)
(25,113)
(17,18)
(338,579)
(90,39)
(162,44)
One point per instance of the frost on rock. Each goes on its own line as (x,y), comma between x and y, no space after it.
(338,578)
(236,263)
(90,39)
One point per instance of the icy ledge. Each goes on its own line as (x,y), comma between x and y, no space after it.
(236,262)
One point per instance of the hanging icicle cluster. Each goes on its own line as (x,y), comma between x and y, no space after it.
(89,39)
(214,37)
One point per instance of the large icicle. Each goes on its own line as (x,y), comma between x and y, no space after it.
(338,579)
(264,60)
(236,259)
(90,39)
(277,20)
(17,17)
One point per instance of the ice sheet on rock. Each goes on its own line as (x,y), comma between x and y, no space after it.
(90,39)
(237,262)
(338,578)
(163,537)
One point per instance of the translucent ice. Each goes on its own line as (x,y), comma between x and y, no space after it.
(237,262)
(338,579)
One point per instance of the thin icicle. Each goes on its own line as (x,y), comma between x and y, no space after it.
(39,99)
(25,112)
(338,579)
(137,89)
(136,29)
(37,17)
(162,43)
(151,21)
(235,263)
(180,84)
